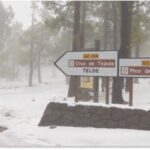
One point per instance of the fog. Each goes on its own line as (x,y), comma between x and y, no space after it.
(35,34)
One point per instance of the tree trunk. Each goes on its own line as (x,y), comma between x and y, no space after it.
(137,47)
(105,38)
(137,54)
(31,67)
(114,26)
(39,66)
(31,53)
(41,46)
(75,46)
(76,26)
(119,81)
(126,20)
(82,26)
(127,87)
(106,26)
(83,93)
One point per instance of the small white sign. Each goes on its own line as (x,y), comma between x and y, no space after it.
(88,63)
(134,67)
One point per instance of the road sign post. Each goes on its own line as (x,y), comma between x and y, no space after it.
(131,92)
(96,79)
(76,88)
(89,63)
(134,68)
(107,90)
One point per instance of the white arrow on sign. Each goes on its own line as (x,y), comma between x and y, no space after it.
(88,63)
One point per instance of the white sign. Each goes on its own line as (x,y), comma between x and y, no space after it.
(134,67)
(88,63)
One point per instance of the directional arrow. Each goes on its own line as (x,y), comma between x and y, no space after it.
(88,63)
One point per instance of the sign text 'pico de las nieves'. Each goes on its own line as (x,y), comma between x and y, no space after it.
(88,63)
(134,67)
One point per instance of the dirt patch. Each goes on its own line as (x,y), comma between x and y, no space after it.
(2,128)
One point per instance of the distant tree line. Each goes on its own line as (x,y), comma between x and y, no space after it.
(59,26)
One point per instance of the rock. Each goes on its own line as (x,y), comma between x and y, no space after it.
(148,113)
(64,98)
(117,114)
(33,100)
(94,117)
(145,118)
(111,124)
(133,122)
(60,114)
(122,124)
(2,128)
(143,125)
(99,124)
(8,114)
(129,112)
(52,127)
(140,112)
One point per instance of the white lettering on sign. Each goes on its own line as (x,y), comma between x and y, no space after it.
(91,64)
(147,71)
(135,71)
(79,63)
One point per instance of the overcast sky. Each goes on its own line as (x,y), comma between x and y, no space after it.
(21,9)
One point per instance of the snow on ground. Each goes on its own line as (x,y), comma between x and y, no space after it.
(21,108)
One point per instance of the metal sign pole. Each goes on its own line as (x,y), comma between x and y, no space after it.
(76,89)
(96,79)
(131,92)
(107,90)
(134,67)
